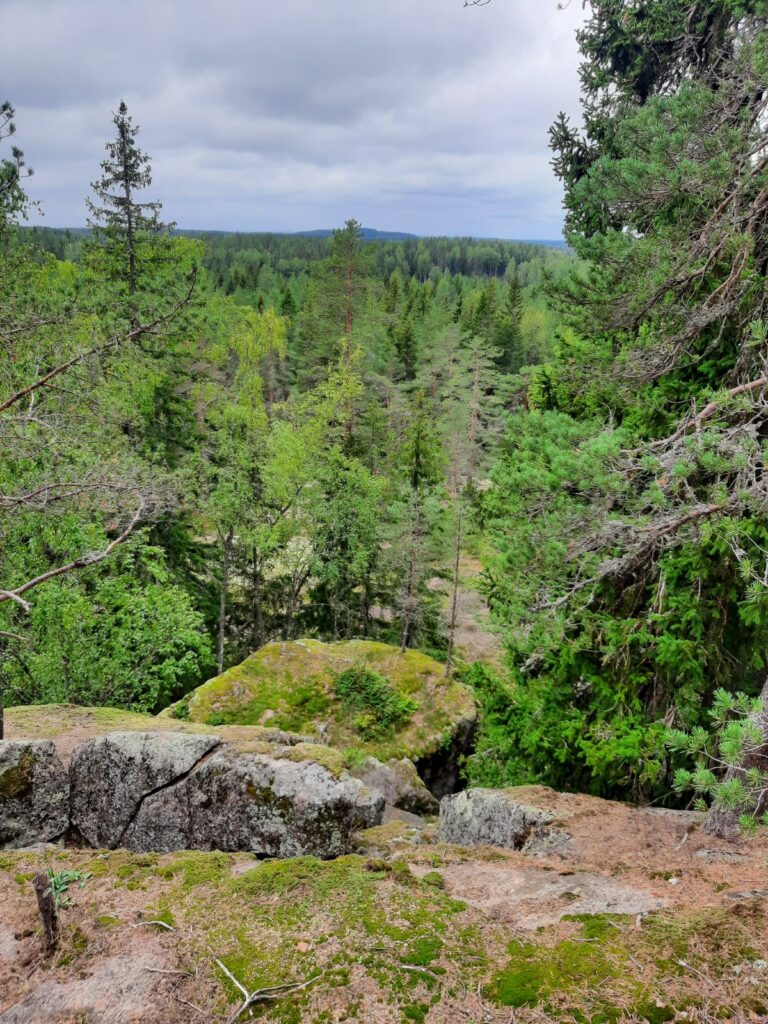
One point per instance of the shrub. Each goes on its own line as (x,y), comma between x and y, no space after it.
(380,708)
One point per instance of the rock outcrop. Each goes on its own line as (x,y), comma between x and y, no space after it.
(271,807)
(496,817)
(164,791)
(399,783)
(292,686)
(112,776)
(34,793)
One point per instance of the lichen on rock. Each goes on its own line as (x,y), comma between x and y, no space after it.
(34,793)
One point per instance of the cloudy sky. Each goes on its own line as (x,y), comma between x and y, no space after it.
(411,115)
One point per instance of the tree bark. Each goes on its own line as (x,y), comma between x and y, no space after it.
(410,594)
(724,821)
(223,599)
(46,904)
(455,594)
(256,616)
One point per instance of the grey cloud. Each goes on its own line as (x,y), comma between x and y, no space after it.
(411,114)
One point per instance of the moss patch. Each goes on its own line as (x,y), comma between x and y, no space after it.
(294,686)
(382,943)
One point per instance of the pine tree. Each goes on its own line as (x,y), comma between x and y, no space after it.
(13,199)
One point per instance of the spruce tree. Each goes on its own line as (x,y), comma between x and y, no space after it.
(508,333)
(119,220)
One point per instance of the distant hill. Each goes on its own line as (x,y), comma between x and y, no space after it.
(369,233)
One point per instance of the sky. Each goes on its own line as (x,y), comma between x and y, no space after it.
(289,115)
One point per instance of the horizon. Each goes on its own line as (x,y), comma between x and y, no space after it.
(315,231)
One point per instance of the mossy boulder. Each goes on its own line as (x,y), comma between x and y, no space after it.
(34,793)
(407,707)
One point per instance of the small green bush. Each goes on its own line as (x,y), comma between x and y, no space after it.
(380,708)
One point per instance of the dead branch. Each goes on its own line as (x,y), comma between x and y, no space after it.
(263,994)
(116,341)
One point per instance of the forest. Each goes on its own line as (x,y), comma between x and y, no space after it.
(212,440)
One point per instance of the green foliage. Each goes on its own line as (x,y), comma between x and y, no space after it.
(380,709)
(628,537)
(122,636)
(728,758)
(59,883)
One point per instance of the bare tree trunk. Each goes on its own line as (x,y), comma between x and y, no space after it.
(223,599)
(409,610)
(257,625)
(46,904)
(455,594)
(724,821)
(473,420)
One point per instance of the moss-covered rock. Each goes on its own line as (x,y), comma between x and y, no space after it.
(293,686)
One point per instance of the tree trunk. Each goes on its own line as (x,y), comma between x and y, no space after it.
(257,625)
(723,821)
(473,420)
(46,904)
(409,610)
(227,554)
(455,594)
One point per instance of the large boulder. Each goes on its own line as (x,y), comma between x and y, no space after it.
(272,807)
(492,817)
(172,791)
(34,793)
(293,686)
(112,775)
(399,784)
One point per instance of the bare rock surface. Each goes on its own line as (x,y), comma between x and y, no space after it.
(251,802)
(533,897)
(399,784)
(113,775)
(119,990)
(34,793)
(490,817)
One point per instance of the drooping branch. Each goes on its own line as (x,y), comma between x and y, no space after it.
(81,562)
(115,342)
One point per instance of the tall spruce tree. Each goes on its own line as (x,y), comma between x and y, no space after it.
(121,222)
(508,336)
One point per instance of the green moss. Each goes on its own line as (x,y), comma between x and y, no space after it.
(536,972)
(23,879)
(162,914)
(198,868)
(16,780)
(416,1012)
(435,879)
(107,921)
(296,684)
(653,1013)
(422,952)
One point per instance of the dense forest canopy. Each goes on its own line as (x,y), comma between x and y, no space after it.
(213,440)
